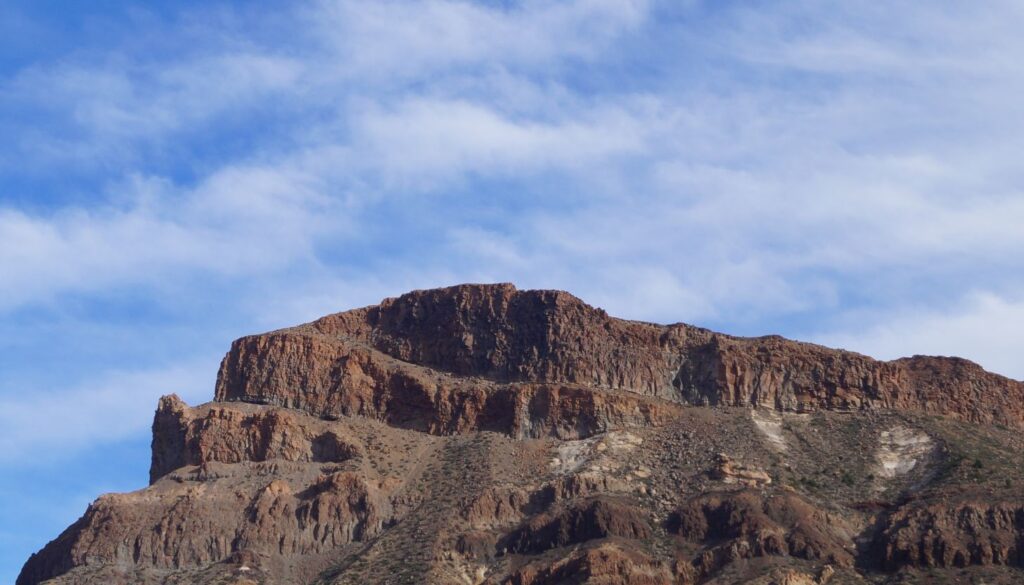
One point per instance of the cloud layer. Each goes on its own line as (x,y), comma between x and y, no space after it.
(838,172)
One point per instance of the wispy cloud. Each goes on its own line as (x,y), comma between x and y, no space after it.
(99,114)
(395,41)
(444,140)
(115,406)
(346,141)
(239,221)
(777,168)
(983,327)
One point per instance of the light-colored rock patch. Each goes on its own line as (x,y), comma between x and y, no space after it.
(731,471)
(769,423)
(593,454)
(900,450)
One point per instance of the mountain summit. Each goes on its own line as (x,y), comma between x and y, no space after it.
(483,434)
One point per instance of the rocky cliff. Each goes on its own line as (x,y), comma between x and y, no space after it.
(483,434)
(497,343)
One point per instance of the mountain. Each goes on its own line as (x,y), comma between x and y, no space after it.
(482,434)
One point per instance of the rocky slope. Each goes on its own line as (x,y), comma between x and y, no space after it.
(482,434)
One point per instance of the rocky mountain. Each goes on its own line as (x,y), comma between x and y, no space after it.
(480,434)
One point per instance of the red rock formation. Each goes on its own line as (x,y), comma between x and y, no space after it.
(747,524)
(502,334)
(248,479)
(184,436)
(193,526)
(607,563)
(382,362)
(959,533)
(801,377)
(584,520)
(332,377)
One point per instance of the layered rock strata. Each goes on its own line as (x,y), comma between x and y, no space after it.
(503,347)
(958,533)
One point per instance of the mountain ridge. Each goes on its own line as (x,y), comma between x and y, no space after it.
(483,434)
(579,344)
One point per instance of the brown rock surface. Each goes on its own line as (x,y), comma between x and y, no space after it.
(747,524)
(482,434)
(607,564)
(959,533)
(183,436)
(731,471)
(582,521)
(270,492)
(331,377)
(383,361)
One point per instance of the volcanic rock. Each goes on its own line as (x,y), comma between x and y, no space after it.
(383,361)
(482,434)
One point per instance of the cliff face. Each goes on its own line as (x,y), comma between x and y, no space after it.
(492,334)
(332,377)
(498,343)
(482,434)
(270,486)
(956,533)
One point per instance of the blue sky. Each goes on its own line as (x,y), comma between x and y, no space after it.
(175,176)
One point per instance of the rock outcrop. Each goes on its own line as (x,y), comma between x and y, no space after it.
(606,563)
(269,482)
(332,377)
(484,435)
(502,347)
(959,533)
(185,437)
(747,524)
(580,522)
(731,471)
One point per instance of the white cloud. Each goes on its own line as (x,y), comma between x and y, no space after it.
(984,327)
(109,108)
(910,41)
(240,221)
(393,41)
(42,426)
(775,162)
(100,109)
(776,195)
(434,140)
(266,207)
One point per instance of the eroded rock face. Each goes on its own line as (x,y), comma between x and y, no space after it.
(482,434)
(503,334)
(800,377)
(193,526)
(730,471)
(331,377)
(954,534)
(608,564)
(580,522)
(184,436)
(747,524)
(243,480)
(499,343)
